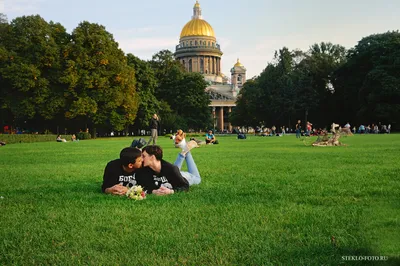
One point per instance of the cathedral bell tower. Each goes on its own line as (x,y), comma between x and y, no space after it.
(238,75)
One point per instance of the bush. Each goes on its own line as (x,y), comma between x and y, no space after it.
(25,138)
(83,135)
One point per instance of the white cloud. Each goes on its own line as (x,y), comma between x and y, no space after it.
(131,31)
(138,45)
(20,6)
(225,43)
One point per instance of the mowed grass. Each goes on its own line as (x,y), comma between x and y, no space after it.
(262,201)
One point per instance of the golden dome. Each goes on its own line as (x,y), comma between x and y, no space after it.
(197,4)
(197,27)
(238,64)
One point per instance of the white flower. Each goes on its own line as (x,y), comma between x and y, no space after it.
(136,193)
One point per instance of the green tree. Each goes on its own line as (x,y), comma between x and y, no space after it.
(31,70)
(246,113)
(4,58)
(322,62)
(370,80)
(280,96)
(193,102)
(101,86)
(183,92)
(145,86)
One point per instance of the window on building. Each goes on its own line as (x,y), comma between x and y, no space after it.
(202,65)
(190,65)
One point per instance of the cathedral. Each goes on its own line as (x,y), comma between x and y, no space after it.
(199,51)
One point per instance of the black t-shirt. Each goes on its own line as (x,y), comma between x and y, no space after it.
(169,177)
(154,123)
(114,174)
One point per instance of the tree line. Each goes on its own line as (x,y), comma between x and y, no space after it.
(326,84)
(52,80)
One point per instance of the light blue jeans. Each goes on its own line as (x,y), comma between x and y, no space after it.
(193,175)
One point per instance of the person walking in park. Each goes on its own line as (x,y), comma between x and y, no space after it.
(298,129)
(308,129)
(154,126)
(166,177)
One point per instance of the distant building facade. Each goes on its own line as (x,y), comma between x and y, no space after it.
(199,51)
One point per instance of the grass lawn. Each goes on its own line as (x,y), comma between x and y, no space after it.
(262,201)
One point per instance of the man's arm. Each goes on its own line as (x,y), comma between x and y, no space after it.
(175,178)
(116,190)
(162,191)
(110,183)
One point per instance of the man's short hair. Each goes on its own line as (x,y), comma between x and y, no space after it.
(129,155)
(154,150)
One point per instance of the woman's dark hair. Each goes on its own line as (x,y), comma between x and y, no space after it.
(154,150)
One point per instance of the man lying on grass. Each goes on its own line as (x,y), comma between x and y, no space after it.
(125,172)
(166,177)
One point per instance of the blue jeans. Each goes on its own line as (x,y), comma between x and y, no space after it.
(298,135)
(193,175)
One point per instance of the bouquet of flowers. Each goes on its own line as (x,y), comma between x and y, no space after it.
(136,193)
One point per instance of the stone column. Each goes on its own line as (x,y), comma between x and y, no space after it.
(206,65)
(213,117)
(221,118)
(210,65)
(214,66)
(229,123)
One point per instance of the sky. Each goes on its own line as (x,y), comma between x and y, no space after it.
(250,30)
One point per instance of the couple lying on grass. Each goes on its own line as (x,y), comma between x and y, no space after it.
(148,169)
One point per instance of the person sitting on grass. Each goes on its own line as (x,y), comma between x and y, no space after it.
(179,139)
(125,172)
(166,177)
(59,139)
(199,142)
(210,138)
(73,138)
